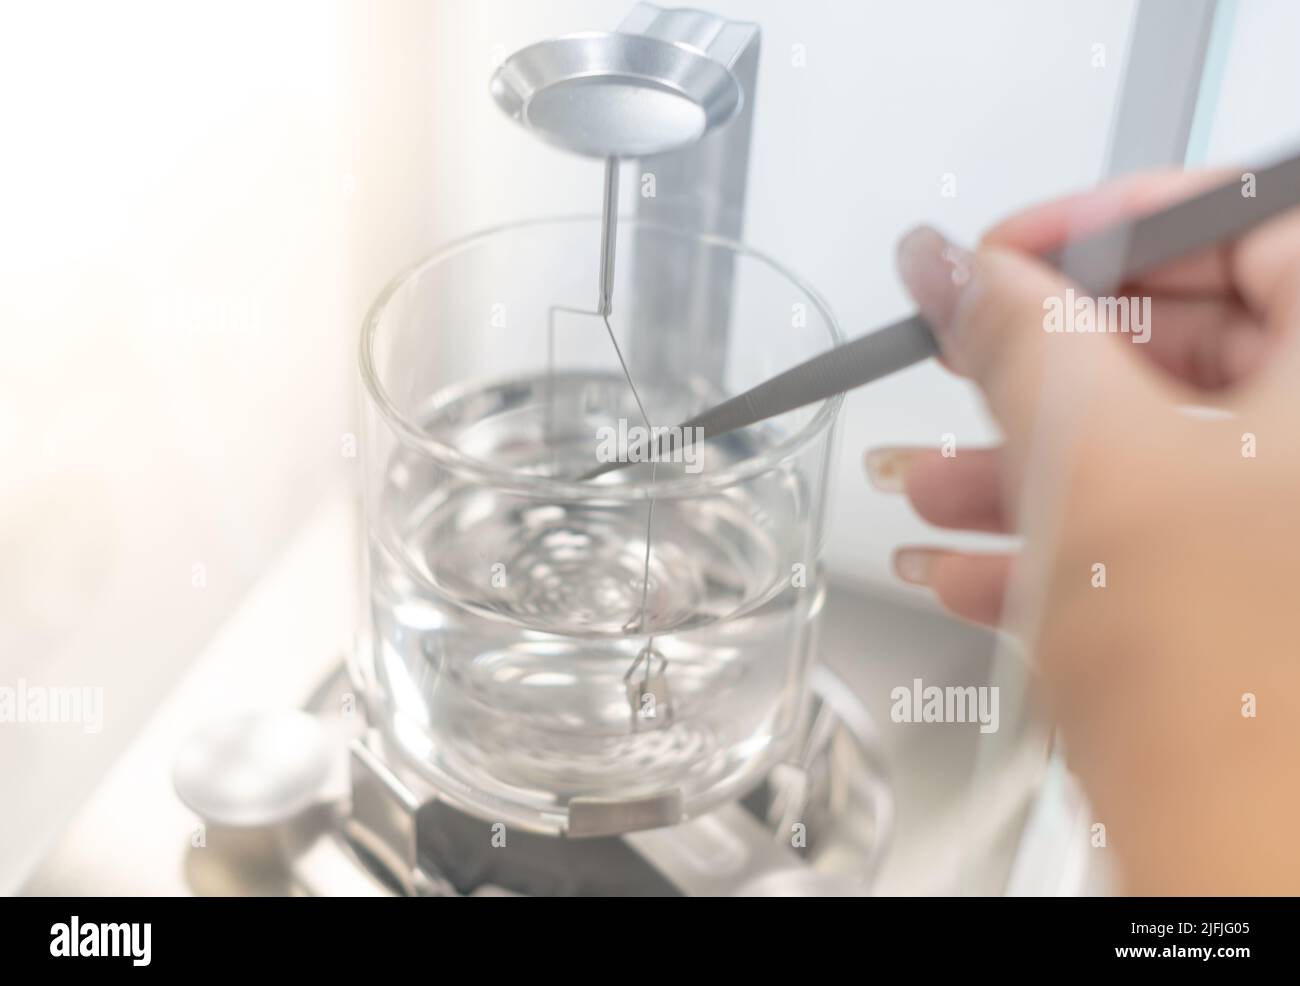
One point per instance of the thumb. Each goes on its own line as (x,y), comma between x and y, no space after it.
(987,309)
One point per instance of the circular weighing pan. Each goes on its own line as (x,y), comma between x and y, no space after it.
(615,95)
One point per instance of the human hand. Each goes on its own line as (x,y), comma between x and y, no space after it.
(1193,521)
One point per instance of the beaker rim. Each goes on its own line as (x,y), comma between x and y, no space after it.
(479,472)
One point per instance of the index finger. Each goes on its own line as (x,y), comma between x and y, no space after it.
(1048,226)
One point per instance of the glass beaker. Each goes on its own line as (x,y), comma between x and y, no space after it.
(508,650)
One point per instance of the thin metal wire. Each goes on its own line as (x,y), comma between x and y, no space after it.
(609,220)
(642,620)
(654,465)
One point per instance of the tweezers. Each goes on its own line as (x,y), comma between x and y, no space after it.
(1099,262)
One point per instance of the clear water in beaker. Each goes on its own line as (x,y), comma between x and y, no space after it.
(510,612)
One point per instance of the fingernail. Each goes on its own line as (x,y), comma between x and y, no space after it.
(887,467)
(935,273)
(912,565)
